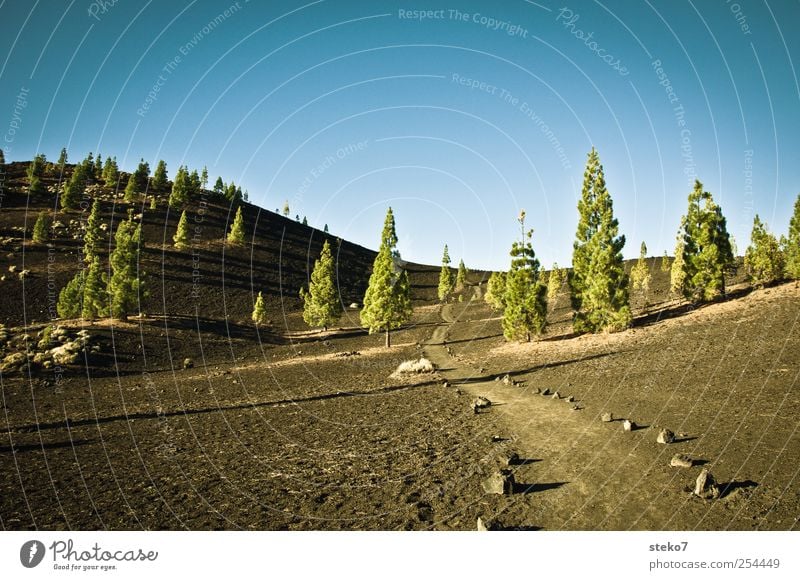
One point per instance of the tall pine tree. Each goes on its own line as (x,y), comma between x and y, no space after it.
(461,276)
(525,310)
(598,284)
(445,276)
(321,305)
(180,189)
(793,244)
(496,291)
(763,260)
(93,235)
(387,302)
(236,235)
(95,297)
(159,181)
(125,284)
(41,229)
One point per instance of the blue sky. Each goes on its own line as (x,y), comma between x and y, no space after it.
(457,115)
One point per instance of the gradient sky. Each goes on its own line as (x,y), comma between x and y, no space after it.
(344,108)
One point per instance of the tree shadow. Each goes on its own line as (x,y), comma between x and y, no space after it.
(683,439)
(730,487)
(44,446)
(491,377)
(501,528)
(524,461)
(527,488)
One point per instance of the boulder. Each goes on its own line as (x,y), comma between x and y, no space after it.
(187,363)
(556,395)
(545,392)
(607,417)
(482,403)
(680,460)
(628,426)
(665,436)
(482,526)
(705,487)
(499,483)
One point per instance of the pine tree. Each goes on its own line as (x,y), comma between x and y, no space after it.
(598,284)
(159,181)
(111,172)
(525,310)
(665,265)
(326,229)
(141,175)
(181,237)
(2,158)
(219,186)
(74,188)
(445,276)
(70,299)
(792,244)
(387,302)
(130,189)
(554,283)
(62,159)
(707,252)
(153,202)
(259,315)
(98,168)
(496,291)
(763,260)
(194,183)
(321,305)
(286,208)
(125,284)
(41,229)
(677,274)
(461,276)
(640,273)
(236,235)
(204,177)
(95,298)
(305,221)
(180,189)
(35,172)
(93,235)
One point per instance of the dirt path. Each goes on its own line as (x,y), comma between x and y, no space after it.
(578,468)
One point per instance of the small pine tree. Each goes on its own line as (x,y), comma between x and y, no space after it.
(219,186)
(194,183)
(98,168)
(598,284)
(640,273)
(677,274)
(74,188)
(707,251)
(763,260)
(142,175)
(95,298)
(496,291)
(445,276)
(130,190)
(554,283)
(305,221)
(70,299)
(665,264)
(236,235)
(321,305)
(387,302)
(259,315)
(41,229)
(792,245)
(62,159)
(35,171)
(461,276)
(286,208)
(159,181)
(125,284)
(181,237)
(525,310)
(180,189)
(153,202)
(204,177)
(326,229)
(111,172)
(93,235)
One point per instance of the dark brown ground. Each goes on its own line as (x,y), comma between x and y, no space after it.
(273,430)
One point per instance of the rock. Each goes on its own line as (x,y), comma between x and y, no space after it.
(665,436)
(628,426)
(556,396)
(445,384)
(354,306)
(570,399)
(482,403)
(680,460)
(507,380)
(537,391)
(187,363)
(575,407)
(12,268)
(500,482)
(607,417)
(24,274)
(705,487)
(545,392)
(482,527)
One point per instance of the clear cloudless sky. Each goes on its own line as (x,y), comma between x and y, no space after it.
(457,115)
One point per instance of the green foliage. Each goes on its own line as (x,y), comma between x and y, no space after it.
(525,310)
(286,208)
(159,181)
(763,260)
(130,189)
(259,315)
(95,297)
(194,183)
(665,263)
(445,276)
(62,159)
(305,221)
(554,283)
(321,305)
(204,177)
(496,291)
(640,273)
(70,298)
(2,157)
(792,246)
(111,172)
(74,188)
(181,237)
(153,202)
(219,186)
(93,235)
(41,229)
(598,284)
(677,275)
(707,251)
(35,172)
(461,276)
(180,189)
(326,229)
(125,283)
(387,303)
(236,235)
(141,175)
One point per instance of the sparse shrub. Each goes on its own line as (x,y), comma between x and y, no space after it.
(445,276)
(409,367)
(496,291)
(236,235)
(41,229)
(321,305)
(763,260)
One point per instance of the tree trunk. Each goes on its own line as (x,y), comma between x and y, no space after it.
(388,340)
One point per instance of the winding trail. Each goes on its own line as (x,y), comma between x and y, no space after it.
(577,469)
